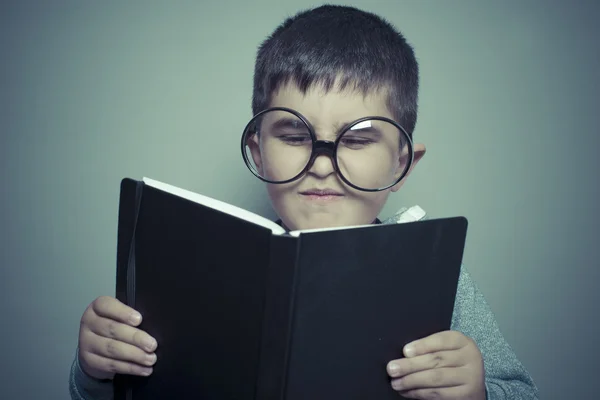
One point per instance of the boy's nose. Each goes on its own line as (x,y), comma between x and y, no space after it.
(322,165)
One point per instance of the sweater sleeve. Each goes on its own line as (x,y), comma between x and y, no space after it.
(84,387)
(505,376)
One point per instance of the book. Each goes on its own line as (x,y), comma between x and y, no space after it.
(243,309)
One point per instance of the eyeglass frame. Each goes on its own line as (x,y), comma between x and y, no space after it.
(327,148)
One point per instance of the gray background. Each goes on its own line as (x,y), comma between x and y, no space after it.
(92,92)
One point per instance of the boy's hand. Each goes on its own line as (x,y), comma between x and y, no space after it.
(110,343)
(446,365)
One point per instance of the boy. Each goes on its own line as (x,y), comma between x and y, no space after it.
(316,78)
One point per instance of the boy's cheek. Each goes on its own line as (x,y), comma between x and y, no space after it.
(282,205)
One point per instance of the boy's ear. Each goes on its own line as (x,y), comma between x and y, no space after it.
(252,143)
(419,151)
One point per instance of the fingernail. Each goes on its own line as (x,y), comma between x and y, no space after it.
(397,384)
(409,350)
(150,359)
(146,372)
(135,318)
(149,344)
(392,368)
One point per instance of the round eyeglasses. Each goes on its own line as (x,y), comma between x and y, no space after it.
(370,154)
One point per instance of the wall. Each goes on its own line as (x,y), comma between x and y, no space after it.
(92,92)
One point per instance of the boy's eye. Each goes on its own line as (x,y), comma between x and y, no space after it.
(295,138)
(354,142)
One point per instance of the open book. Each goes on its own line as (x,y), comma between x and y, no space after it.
(243,310)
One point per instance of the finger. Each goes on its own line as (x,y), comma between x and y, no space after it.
(116,350)
(109,307)
(441,341)
(112,329)
(432,378)
(439,359)
(116,366)
(448,393)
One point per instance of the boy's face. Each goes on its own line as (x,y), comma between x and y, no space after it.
(296,203)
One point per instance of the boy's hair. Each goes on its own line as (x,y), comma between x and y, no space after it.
(340,45)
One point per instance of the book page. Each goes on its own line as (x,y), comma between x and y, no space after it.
(217,205)
(336,228)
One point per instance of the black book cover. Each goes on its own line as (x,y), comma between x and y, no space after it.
(242,313)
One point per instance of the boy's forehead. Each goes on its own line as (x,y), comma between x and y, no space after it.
(325,107)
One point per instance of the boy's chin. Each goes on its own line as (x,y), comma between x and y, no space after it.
(322,222)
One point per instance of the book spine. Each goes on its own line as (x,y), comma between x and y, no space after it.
(277,318)
(129,210)
(139,188)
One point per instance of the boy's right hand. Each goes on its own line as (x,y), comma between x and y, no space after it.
(110,343)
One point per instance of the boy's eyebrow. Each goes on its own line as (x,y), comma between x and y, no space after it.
(287,122)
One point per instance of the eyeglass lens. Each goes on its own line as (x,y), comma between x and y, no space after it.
(370,154)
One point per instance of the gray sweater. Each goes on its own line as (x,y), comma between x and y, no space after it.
(505,376)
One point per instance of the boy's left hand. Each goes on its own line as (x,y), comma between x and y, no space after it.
(446,365)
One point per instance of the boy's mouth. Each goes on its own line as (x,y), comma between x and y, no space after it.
(322,194)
